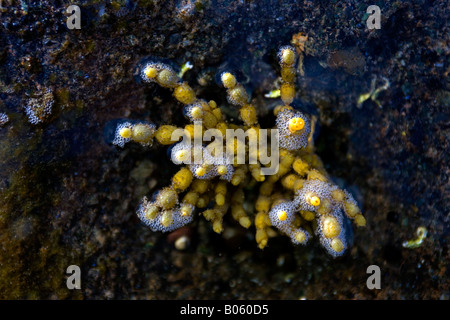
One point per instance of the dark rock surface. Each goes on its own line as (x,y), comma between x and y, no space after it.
(68,197)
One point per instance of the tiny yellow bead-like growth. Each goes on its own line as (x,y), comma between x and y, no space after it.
(200,186)
(220,199)
(308,215)
(287,92)
(196,112)
(360,221)
(217,113)
(330,227)
(337,245)
(201,171)
(238,177)
(245,222)
(338,195)
(300,166)
(248,114)
(217,226)
(351,209)
(212,104)
(228,80)
(325,207)
(182,155)
(288,74)
(191,198)
(126,133)
(167,198)
(288,181)
(186,210)
(151,212)
(256,172)
(167,218)
(260,220)
(184,93)
(282,215)
(313,200)
(238,95)
(182,179)
(313,174)
(262,204)
(142,133)
(209,120)
(164,134)
(222,170)
(167,78)
(296,124)
(300,237)
(261,238)
(150,72)
(202,202)
(287,56)
(221,191)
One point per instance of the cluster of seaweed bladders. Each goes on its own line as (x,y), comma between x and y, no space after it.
(296,198)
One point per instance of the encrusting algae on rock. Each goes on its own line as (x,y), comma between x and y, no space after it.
(298,199)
